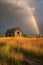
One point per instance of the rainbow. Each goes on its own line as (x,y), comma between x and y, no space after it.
(25,5)
(27,9)
(34,21)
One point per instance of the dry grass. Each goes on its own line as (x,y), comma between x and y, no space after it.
(34,44)
(15,47)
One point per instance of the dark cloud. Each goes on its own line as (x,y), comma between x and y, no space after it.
(39,14)
(14,16)
(10,16)
(38,4)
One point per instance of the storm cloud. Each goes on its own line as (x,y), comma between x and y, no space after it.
(12,14)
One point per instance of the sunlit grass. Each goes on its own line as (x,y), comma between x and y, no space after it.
(14,49)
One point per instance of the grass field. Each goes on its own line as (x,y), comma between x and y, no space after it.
(14,49)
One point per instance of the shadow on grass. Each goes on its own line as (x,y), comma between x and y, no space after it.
(3,44)
(11,61)
(28,54)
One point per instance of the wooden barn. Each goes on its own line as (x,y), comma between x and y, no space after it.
(14,32)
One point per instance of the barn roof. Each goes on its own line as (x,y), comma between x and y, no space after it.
(13,30)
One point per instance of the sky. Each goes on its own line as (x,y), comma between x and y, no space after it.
(26,14)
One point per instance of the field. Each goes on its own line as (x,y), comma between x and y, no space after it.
(21,51)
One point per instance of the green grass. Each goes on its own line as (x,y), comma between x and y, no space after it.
(6,55)
(7,58)
(2,44)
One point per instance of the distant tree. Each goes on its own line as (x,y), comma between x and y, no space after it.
(24,35)
(1,35)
